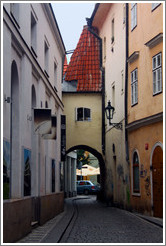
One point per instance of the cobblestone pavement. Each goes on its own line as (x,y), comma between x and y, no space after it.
(89,221)
(97,223)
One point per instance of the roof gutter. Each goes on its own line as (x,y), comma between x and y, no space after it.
(126,86)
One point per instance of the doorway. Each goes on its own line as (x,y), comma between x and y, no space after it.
(157,176)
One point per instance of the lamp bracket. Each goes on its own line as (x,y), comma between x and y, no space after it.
(118,126)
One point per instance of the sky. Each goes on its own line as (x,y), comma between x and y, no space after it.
(71,17)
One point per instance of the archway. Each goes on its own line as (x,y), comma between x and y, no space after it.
(101,194)
(14,132)
(157,180)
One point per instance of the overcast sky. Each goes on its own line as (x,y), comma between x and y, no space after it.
(71,17)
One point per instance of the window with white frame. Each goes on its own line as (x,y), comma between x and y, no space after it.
(83,114)
(155,5)
(33,33)
(55,75)
(157,74)
(46,53)
(134,87)
(133,15)
(113,32)
(136,181)
(14,9)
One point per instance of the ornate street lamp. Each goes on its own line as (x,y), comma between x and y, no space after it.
(109,110)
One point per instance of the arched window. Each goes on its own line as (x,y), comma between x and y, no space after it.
(136,183)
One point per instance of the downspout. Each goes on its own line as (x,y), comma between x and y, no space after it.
(102,194)
(126,86)
(89,22)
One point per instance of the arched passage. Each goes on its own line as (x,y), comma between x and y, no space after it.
(98,155)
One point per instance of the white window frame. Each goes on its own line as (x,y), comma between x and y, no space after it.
(46,57)
(33,33)
(83,119)
(133,15)
(134,87)
(157,73)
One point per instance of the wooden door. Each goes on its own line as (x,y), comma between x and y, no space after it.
(157,164)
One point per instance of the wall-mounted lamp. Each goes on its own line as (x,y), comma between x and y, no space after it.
(109,110)
(7,99)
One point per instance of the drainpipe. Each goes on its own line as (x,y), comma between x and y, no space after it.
(89,23)
(126,87)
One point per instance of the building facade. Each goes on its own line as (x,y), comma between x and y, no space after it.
(33,53)
(145,107)
(110,20)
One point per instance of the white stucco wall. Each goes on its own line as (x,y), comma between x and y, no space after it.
(42,151)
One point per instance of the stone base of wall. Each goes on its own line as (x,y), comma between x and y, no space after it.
(50,206)
(16,219)
(18,214)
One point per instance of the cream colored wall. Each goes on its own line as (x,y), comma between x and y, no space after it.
(149,24)
(83,132)
(117,170)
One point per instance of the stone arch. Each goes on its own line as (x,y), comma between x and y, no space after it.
(101,164)
(14,132)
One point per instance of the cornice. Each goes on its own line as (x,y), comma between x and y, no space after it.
(145,121)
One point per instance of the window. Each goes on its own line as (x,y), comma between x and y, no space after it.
(83,114)
(157,74)
(46,53)
(133,15)
(53,175)
(33,33)
(113,37)
(55,76)
(155,5)
(104,49)
(113,95)
(136,186)
(14,9)
(134,87)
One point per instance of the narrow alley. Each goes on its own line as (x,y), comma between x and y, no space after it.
(86,220)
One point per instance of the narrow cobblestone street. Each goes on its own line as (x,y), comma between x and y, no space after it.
(94,222)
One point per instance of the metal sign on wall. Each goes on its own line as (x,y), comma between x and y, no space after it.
(63,137)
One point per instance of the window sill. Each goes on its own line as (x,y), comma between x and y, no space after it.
(46,73)
(157,93)
(33,51)
(136,194)
(156,7)
(134,104)
(15,21)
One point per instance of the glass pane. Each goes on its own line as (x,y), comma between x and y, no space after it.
(154,62)
(136,178)
(80,114)
(86,114)
(154,82)
(159,60)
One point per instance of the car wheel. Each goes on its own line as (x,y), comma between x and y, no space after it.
(86,192)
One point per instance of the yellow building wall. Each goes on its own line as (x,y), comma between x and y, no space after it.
(83,132)
(137,141)
(149,24)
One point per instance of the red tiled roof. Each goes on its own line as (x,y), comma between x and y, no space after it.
(84,65)
(65,66)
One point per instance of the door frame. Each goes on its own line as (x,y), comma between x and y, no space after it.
(151,170)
